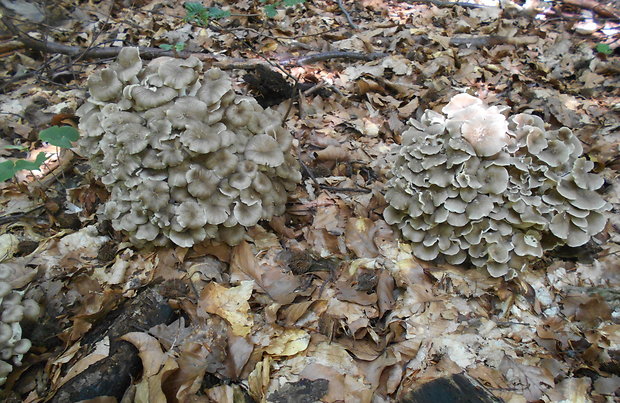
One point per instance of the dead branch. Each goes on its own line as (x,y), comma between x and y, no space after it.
(319,57)
(90,53)
(595,6)
(448,4)
(347,15)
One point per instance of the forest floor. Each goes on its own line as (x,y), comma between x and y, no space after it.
(335,305)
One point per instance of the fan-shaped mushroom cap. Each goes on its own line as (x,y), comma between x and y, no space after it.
(215,86)
(104,86)
(186,111)
(179,73)
(201,182)
(201,138)
(191,214)
(264,150)
(145,98)
(128,64)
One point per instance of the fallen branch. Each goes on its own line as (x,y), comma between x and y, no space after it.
(593,5)
(448,4)
(90,53)
(319,57)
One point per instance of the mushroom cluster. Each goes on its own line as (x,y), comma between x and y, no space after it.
(184,159)
(13,309)
(471,185)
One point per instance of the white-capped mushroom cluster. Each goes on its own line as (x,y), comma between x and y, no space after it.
(472,185)
(184,159)
(13,309)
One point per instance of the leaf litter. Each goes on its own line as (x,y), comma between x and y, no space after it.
(326,304)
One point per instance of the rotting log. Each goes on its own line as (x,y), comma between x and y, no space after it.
(112,375)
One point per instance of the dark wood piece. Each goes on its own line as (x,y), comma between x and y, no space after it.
(112,375)
(458,388)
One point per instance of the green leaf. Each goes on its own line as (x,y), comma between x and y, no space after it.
(291,3)
(31,165)
(165,46)
(7,170)
(270,10)
(604,49)
(194,7)
(60,136)
(217,13)
(179,46)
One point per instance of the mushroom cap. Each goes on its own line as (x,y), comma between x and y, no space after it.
(104,86)
(215,85)
(487,133)
(12,313)
(264,150)
(191,214)
(186,111)
(248,215)
(128,64)
(201,138)
(32,310)
(493,179)
(179,73)
(146,98)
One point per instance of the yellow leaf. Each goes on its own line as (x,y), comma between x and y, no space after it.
(231,304)
(290,342)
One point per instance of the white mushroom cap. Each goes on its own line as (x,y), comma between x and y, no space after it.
(582,176)
(494,179)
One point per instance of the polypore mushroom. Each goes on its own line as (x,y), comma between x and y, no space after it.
(184,159)
(472,186)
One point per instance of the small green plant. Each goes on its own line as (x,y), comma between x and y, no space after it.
(200,15)
(59,136)
(177,47)
(271,10)
(604,49)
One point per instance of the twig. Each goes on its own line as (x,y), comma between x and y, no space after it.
(319,57)
(94,53)
(337,189)
(595,6)
(443,4)
(347,15)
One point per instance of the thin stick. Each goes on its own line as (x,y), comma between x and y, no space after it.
(94,53)
(347,15)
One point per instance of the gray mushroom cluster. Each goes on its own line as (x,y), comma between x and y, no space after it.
(13,309)
(184,158)
(471,185)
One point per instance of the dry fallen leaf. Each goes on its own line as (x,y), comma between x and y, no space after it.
(230,304)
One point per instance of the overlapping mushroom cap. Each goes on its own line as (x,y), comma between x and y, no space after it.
(13,309)
(473,185)
(184,159)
